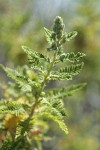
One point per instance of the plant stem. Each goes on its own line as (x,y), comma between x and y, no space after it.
(48,71)
(42,86)
(33,108)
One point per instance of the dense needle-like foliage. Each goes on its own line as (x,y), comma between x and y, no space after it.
(27,104)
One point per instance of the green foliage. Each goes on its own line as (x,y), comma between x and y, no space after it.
(70,35)
(64,91)
(67,72)
(71,57)
(36,60)
(12,107)
(34,103)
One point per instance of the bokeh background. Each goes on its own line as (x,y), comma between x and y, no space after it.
(22,22)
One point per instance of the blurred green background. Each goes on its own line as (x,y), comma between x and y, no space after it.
(22,22)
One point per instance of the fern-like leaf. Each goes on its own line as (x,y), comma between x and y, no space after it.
(56,107)
(23,82)
(12,107)
(70,35)
(64,91)
(36,59)
(72,57)
(59,121)
(66,73)
(73,69)
(48,34)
